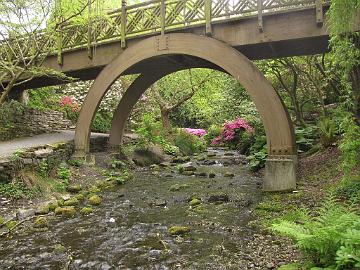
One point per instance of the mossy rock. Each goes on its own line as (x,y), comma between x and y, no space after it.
(74,188)
(2,220)
(60,202)
(43,210)
(94,189)
(178,187)
(69,211)
(52,206)
(86,211)
(229,174)
(71,202)
(80,197)
(10,224)
(178,230)
(201,174)
(41,222)
(94,200)
(211,154)
(212,174)
(195,202)
(59,248)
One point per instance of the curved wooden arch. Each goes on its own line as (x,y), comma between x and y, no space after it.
(278,127)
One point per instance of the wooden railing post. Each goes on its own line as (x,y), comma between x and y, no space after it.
(123,24)
(89,37)
(208,29)
(162,16)
(260,15)
(319,12)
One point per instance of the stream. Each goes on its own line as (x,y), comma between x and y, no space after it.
(129,230)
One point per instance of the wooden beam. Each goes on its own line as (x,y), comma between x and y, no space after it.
(208,29)
(319,12)
(260,16)
(123,24)
(162,16)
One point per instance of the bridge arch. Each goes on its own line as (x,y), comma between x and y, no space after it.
(280,167)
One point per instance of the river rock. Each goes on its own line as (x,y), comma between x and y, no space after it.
(71,202)
(94,200)
(43,152)
(218,198)
(160,202)
(74,188)
(24,213)
(212,175)
(211,154)
(178,230)
(229,174)
(149,155)
(189,167)
(201,174)
(86,211)
(41,222)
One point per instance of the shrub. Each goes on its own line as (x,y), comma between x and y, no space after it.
(196,131)
(212,132)
(327,131)
(231,133)
(330,239)
(306,137)
(349,189)
(150,130)
(188,144)
(258,153)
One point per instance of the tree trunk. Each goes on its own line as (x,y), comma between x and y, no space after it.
(355,83)
(165,119)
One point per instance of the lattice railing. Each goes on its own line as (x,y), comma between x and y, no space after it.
(166,15)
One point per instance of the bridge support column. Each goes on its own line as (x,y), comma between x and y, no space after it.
(280,173)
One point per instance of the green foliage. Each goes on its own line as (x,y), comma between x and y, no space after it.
(15,190)
(150,130)
(187,143)
(101,122)
(327,129)
(350,146)
(342,15)
(75,162)
(43,168)
(64,173)
(212,132)
(306,137)
(170,149)
(330,239)
(349,189)
(258,153)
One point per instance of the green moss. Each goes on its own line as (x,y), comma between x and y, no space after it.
(52,206)
(194,202)
(229,174)
(44,210)
(58,248)
(178,230)
(86,211)
(11,224)
(60,202)
(94,200)
(41,222)
(74,188)
(80,197)
(68,211)
(94,189)
(178,187)
(71,202)
(1,220)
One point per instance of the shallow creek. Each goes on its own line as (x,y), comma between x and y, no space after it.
(129,230)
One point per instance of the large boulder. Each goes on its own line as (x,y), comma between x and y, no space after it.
(152,154)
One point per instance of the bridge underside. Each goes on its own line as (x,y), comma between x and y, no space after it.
(291,33)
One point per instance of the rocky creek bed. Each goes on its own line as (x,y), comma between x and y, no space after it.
(161,219)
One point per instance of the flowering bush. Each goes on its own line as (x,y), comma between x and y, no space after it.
(231,132)
(196,132)
(68,101)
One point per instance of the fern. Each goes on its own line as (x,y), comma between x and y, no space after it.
(330,239)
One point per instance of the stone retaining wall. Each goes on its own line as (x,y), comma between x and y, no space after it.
(51,155)
(32,122)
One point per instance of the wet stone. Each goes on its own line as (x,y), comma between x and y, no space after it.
(160,202)
(218,198)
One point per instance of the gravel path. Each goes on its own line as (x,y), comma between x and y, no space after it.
(7,148)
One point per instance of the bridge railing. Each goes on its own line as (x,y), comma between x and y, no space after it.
(159,16)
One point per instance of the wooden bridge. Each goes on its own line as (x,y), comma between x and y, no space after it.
(156,38)
(259,29)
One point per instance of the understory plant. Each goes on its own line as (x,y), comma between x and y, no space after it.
(231,133)
(187,143)
(330,239)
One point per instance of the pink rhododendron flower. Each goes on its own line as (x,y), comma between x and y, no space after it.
(231,130)
(197,132)
(68,101)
